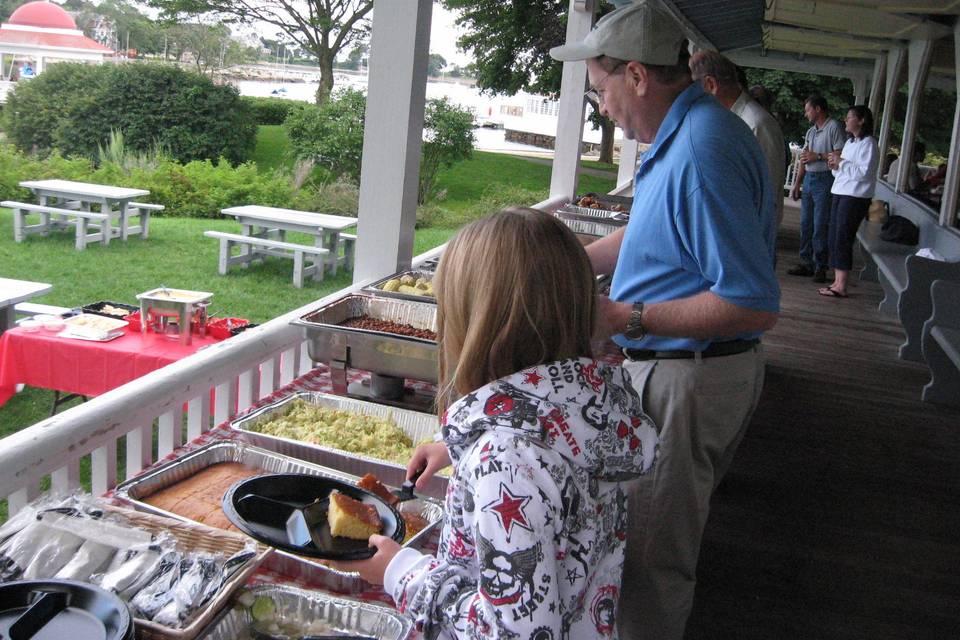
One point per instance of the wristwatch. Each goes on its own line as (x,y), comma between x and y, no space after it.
(635,330)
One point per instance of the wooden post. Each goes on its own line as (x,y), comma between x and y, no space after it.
(392,137)
(894,64)
(951,186)
(918,63)
(566,154)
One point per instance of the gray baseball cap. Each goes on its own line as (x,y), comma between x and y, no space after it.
(640,32)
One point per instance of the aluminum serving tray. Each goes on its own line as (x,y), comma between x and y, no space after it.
(135,490)
(377,287)
(605,216)
(376,351)
(418,427)
(349,617)
(588,228)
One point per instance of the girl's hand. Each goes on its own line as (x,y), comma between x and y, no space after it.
(372,569)
(431,457)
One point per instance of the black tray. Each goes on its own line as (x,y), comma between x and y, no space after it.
(95,308)
(267,523)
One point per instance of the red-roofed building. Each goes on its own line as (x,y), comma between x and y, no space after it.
(37,34)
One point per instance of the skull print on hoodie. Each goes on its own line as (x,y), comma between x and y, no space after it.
(535,516)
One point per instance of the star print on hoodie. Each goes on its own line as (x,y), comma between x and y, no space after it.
(535,516)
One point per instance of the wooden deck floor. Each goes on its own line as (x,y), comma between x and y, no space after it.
(840,517)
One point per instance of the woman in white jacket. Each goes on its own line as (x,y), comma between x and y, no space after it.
(540,436)
(855,180)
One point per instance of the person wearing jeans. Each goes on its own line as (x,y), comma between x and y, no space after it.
(824,137)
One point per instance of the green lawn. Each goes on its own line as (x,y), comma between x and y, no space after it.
(271,149)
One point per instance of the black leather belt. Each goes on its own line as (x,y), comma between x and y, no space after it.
(715,350)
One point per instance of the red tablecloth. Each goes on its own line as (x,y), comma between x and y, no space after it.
(41,359)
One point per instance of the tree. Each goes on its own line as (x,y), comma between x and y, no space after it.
(435,65)
(447,139)
(790,90)
(330,134)
(511,42)
(209,47)
(321,27)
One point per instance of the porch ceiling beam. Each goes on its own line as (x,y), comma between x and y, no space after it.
(818,65)
(945,7)
(853,20)
(776,36)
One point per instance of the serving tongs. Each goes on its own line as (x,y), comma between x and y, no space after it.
(405,492)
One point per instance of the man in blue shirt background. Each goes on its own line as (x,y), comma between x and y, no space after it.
(693,290)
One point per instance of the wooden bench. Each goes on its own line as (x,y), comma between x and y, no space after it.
(79,219)
(905,277)
(29,309)
(140,210)
(941,345)
(317,256)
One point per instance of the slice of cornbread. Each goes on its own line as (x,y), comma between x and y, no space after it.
(351,518)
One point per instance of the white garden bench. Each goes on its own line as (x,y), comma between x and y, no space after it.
(301,254)
(142,211)
(81,220)
(30,309)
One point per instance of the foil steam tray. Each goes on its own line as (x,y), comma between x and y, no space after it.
(136,490)
(377,287)
(350,618)
(418,427)
(588,228)
(572,211)
(376,351)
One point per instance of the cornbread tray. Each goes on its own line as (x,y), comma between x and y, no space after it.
(418,427)
(377,287)
(348,617)
(376,351)
(136,490)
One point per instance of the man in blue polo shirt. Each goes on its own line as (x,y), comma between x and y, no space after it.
(693,290)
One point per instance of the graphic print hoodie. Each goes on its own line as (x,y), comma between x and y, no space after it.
(535,516)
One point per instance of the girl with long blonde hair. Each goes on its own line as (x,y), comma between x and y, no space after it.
(540,436)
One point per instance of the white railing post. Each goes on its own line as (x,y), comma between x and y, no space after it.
(198,415)
(225,399)
(139,448)
(103,468)
(573,82)
(396,94)
(169,434)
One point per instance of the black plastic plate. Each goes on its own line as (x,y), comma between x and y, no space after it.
(290,492)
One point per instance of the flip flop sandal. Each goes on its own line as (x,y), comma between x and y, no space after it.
(828,292)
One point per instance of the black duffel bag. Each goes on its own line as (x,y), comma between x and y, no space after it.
(900,230)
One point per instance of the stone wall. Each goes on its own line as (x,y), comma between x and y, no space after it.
(548,142)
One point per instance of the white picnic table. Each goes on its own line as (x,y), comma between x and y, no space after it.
(68,194)
(261,221)
(13,292)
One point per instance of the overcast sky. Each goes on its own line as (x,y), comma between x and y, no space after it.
(443,36)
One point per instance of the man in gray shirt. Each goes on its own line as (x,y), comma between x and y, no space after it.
(824,136)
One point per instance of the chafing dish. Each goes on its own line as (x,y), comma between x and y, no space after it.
(377,287)
(388,355)
(174,311)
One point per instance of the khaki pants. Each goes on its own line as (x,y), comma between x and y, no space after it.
(702,408)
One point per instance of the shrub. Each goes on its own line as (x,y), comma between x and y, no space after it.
(272,110)
(74,107)
(330,134)
(447,139)
(339,196)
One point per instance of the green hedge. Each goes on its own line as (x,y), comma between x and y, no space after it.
(272,110)
(74,107)
(198,189)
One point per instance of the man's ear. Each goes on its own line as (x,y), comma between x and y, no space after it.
(638,78)
(710,85)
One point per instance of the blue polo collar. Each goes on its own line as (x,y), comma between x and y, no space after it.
(673,120)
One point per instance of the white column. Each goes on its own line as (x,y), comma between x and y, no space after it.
(39,68)
(859,88)
(895,59)
(628,162)
(879,75)
(399,47)
(573,82)
(918,62)
(951,186)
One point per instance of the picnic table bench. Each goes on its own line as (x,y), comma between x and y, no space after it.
(905,277)
(82,220)
(941,344)
(301,254)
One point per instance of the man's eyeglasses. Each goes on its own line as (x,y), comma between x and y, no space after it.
(595,94)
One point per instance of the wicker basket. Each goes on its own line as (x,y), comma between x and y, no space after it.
(193,537)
